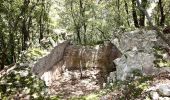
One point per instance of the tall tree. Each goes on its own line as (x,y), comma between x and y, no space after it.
(2,51)
(19,18)
(151,24)
(127,12)
(76,22)
(83,19)
(135,19)
(118,9)
(162,15)
(142,14)
(41,20)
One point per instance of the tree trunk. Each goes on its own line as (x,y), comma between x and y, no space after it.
(2,52)
(118,9)
(162,20)
(41,28)
(41,22)
(127,12)
(83,20)
(76,24)
(142,14)
(11,45)
(25,33)
(78,34)
(135,19)
(152,26)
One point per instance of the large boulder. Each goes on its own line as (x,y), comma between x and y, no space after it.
(70,57)
(137,49)
(47,62)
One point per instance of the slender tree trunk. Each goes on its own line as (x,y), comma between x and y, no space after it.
(76,24)
(83,20)
(41,28)
(127,12)
(2,51)
(162,20)
(135,19)
(11,45)
(41,22)
(118,9)
(142,14)
(25,33)
(78,34)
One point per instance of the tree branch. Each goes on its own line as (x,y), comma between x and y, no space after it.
(159,33)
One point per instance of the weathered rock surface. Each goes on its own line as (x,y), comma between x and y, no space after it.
(138,54)
(154,95)
(135,61)
(139,40)
(47,62)
(164,90)
(136,47)
(73,57)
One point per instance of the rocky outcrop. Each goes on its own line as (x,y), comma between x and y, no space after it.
(164,90)
(102,56)
(134,61)
(69,57)
(160,89)
(137,49)
(50,60)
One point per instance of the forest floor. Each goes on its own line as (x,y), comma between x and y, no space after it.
(70,86)
(19,82)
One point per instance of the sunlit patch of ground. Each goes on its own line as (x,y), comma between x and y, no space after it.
(71,85)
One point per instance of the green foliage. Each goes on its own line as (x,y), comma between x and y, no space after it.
(161,60)
(20,22)
(32,54)
(101,19)
(134,87)
(24,23)
(21,81)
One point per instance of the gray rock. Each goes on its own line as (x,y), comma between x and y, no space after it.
(47,62)
(137,47)
(154,95)
(141,39)
(164,98)
(66,56)
(133,61)
(164,90)
(112,77)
